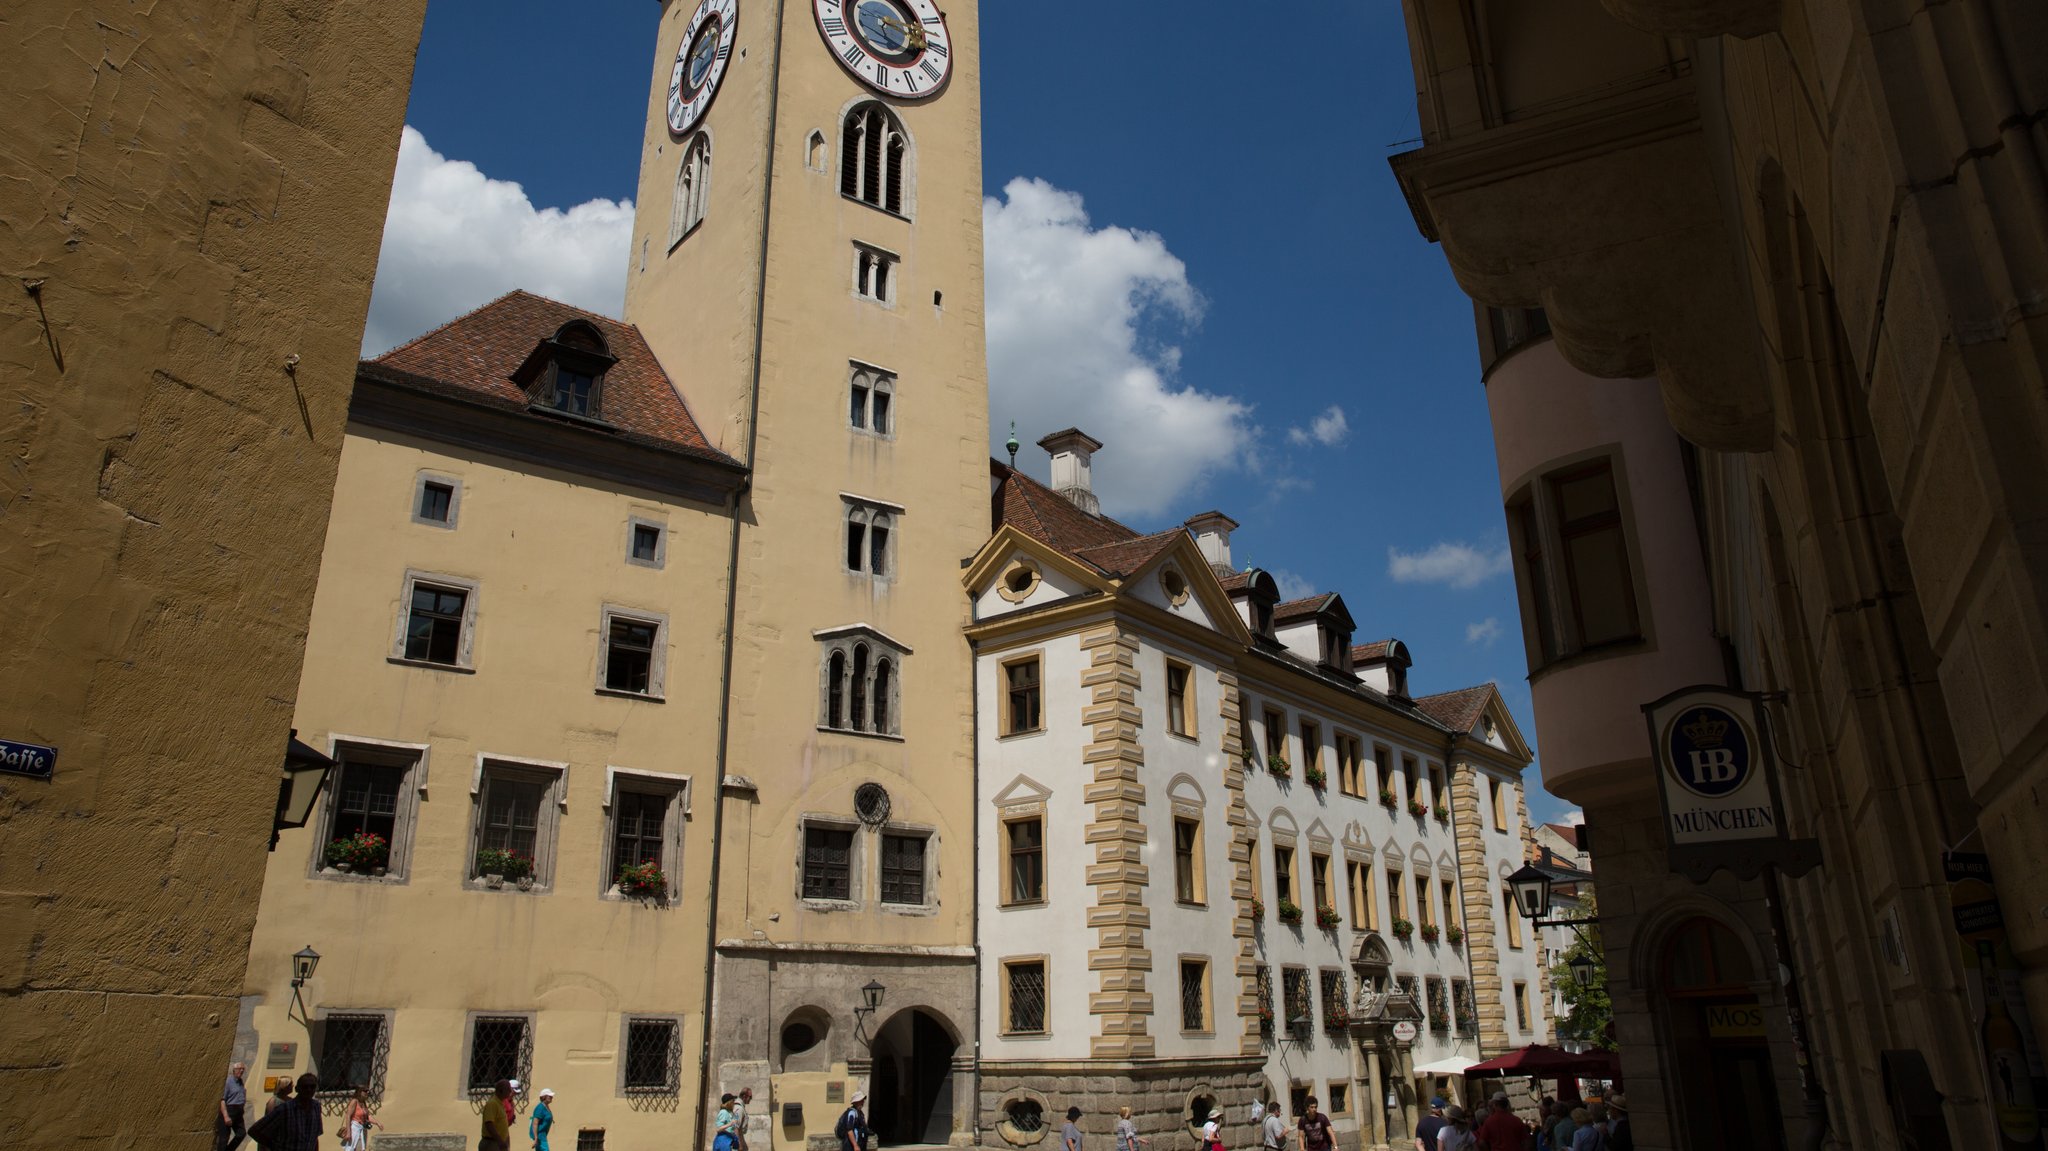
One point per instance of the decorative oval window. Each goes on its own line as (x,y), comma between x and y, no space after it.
(798,1038)
(1019,582)
(871,803)
(1175,585)
(1023,1121)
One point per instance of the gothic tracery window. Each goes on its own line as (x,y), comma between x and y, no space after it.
(863,684)
(872,157)
(693,189)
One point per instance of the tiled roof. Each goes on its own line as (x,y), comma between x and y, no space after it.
(1299,609)
(1047,516)
(1131,555)
(1235,581)
(1371,652)
(1458,710)
(1570,833)
(474,356)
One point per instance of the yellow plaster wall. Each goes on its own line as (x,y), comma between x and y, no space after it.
(548,550)
(195,189)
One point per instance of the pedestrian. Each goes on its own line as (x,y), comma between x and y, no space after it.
(1127,1137)
(281,1096)
(1273,1132)
(1502,1130)
(1457,1131)
(721,1130)
(1545,1116)
(302,1116)
(1565,1126)
(1070,1134)
(542,1120)
(355,1126)
(496,1114)
(1314,1127)
(739,1118)
(228,1129)
(1212,1132)
(852,1130)
(1619,1137)
(1590,1136)
(1432,1125)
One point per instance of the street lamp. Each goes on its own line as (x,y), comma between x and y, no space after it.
(1583,969)
(870,1002)
(305,773)
(304,962)
(1531,889)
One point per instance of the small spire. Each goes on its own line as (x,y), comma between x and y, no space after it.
(1013,445)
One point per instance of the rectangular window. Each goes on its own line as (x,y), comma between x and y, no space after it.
(1336,1009)
(366,800)
(1294,996)
(1467,1007)
(1397,899)
(638,822)
(1450,893)
(351,1054)
(873,271)
(1247,746)
(1340,1098)
(1297,1097)
(1511,918)
(434,624)
(1523,515)
(1180,709)
(1437,795)
(437,499)
(515,821)
(1194,995)
(1187,860)
(1283,873)
(1439,1010)
(1319,878)
(1262,980)
(903,869)
(828,863)
(1023,697)
(1417,787)
(1350,765)
(1276,737)
(652,1058)
(499,1048)
(1027,860)
(1311,748)
(1024,992)
(1522,1007)
(1500,806)
(1382,769)
(573,390)
(1358,879)
(1425,910)
(646,543)
(630,650)
(1600,589)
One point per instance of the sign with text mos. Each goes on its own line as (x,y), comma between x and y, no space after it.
(1712,750)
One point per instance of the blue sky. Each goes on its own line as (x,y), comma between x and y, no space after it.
(1215,187)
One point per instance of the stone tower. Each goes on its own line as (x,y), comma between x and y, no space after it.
(807,264)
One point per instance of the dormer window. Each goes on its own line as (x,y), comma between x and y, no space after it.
(565,374)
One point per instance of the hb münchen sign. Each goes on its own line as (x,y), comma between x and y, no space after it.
(1719,784)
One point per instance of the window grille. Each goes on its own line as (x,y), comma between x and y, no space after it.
(1027,996)
(433,632)
(1294,996)
(903,869)
(1262,977)
(828,863)
(653,1056)
(354,1050)
(1025,1115)
(590,1139)
(1194,998)
(1336,1009)
(1467,1007)
(500,1047)
(1439,1005)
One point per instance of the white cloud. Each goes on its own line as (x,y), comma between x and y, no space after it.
(1459,565)
(1074,316)
(1328,429)
(1292,586)
(1484,632)
(455,239)
(1572,818)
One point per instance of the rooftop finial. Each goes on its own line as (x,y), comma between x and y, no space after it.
(1013,445)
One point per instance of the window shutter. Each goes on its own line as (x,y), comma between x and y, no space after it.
(849,156)
(895,181)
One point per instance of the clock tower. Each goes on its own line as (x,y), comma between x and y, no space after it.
(807,265)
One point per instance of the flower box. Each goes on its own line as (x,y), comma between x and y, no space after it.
(1454,934)
(1387,798)
(1443,815)
(362,852)
(1290,911)
(1315,777)
(1258,909)
(1429,933)
(1276,765)
(643,881)
(1327,918)
(1403,929)
(1417,808)
(504,864)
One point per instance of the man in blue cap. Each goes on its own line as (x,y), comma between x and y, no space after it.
(1431,1126)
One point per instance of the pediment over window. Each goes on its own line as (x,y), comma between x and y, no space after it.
(1372,952)
(564,374)
(1022,790)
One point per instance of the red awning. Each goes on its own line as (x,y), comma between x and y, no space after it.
(1550,1063)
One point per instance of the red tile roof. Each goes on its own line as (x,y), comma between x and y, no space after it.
(1047,516)
(474,356)
(1570,833)
(1131,555)
(1371,652)
(1458,710)
(1235,581)
(1298,609)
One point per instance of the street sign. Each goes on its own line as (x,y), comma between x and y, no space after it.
(30,759)
(1404,1032)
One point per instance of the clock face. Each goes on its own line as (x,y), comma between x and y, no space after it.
(700,62)
(897,47)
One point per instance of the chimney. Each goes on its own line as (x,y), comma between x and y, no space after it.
(1212,534)
(1071,452)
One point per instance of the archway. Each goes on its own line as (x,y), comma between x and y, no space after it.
(1723,1091)
(911,1083)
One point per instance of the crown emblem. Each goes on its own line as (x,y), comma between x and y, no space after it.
(1704,731)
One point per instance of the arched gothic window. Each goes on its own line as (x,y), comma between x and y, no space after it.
(870,537)
(873,155)
(693,189)
(862,670)
(872,399)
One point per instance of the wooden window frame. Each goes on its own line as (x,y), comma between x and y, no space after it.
(1006,709)
(1615,520)
(1180,705)
(1311,734)
(1010,963)
(1321,881)
(1511,925)
(1359,882)
(1009,855)
(1197,888)
(1208,1005)
(553,779)
(855,879)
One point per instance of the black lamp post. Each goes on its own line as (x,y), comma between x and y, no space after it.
(305,961)
(870,1002)
(305,773)
(1532,891)
(1583,969)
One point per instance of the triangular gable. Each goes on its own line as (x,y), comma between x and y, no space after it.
(1008,542)
(1022,789)
(1204,589)
(1510,731)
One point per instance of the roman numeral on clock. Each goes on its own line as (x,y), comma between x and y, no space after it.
(853,55)
(725,52)
(834,26)
(934,73)
(935,21)
(910,79)
(935,48)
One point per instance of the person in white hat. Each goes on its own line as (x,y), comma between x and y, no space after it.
(542,1120)
(853,1125)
